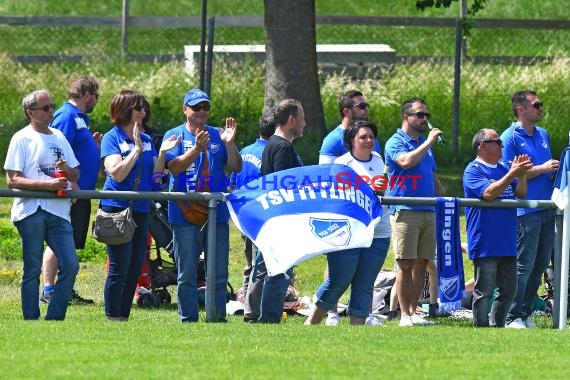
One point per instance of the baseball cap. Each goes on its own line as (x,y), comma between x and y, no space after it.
(195,96)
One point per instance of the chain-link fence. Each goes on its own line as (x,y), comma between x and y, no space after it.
(500,57)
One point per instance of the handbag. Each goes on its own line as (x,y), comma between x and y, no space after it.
(115,228)
(197,211)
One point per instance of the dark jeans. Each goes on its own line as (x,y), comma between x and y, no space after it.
(491,273)
(535,242)
(125,262)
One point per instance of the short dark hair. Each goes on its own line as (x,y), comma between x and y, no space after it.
(479,137)
(352,130)
(284,109)
(520,99)
(82,86)
(266,126)
(345,100)
(121,107)
(409,103)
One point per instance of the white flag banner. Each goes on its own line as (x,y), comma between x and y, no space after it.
(299,213)
(560,193)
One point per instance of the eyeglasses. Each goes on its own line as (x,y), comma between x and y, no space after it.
(362,106)
(46,108)
(95,94)
(537,105)
(200,107)
(420,114)
(499,142)
(139,108)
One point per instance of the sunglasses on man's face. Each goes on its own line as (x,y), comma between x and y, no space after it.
(46,108)
(499,142)
(200,107)
(362,106)
(537,105)
(420,114)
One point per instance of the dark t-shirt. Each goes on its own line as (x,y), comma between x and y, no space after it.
(279,154)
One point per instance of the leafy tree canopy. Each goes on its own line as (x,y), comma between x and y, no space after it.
(476,6)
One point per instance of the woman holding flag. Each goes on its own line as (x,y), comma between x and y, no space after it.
(356,267)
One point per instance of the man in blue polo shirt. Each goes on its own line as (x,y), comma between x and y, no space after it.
(411,171)
(535,241)
(71,118)
(199,161)
(492,232)
(352,106)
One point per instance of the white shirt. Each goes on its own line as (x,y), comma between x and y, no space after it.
(371,168)
(35,154)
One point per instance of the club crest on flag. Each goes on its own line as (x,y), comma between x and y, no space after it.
(450,286)
(335,232)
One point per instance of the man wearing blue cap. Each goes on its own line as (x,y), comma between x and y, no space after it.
(198,165)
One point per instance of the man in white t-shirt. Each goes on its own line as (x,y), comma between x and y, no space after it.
(35,154)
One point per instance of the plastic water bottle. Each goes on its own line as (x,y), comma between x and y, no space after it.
(440,139)
(60,174)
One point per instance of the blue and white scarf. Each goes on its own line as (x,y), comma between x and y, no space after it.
(449,259)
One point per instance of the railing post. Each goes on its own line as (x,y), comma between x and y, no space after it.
(211,312)
(563,300)
(125,30)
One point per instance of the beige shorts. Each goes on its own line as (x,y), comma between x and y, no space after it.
(413,234)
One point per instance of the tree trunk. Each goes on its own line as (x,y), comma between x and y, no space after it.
(291,61)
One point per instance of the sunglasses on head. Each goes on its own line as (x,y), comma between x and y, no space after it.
(362,106)
(499,142)
(46,108)
(537,105)
(200,107)
(420,114)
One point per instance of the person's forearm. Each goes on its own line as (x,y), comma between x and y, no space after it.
(234,158)
(409,160)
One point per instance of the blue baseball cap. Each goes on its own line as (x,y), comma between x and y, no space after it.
(195,96)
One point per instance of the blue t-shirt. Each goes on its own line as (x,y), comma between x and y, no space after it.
(116,142)
(333,144)
(75,126)
(414,182)
(491,232)
(251,163)
(516,142)
(187,180)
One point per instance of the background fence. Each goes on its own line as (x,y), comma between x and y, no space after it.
(144,38)
(144,50)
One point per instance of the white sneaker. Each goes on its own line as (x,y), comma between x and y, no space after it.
(332,320)
(373,320)
(529,323)
(517,324)
(420,321)
(406,321)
